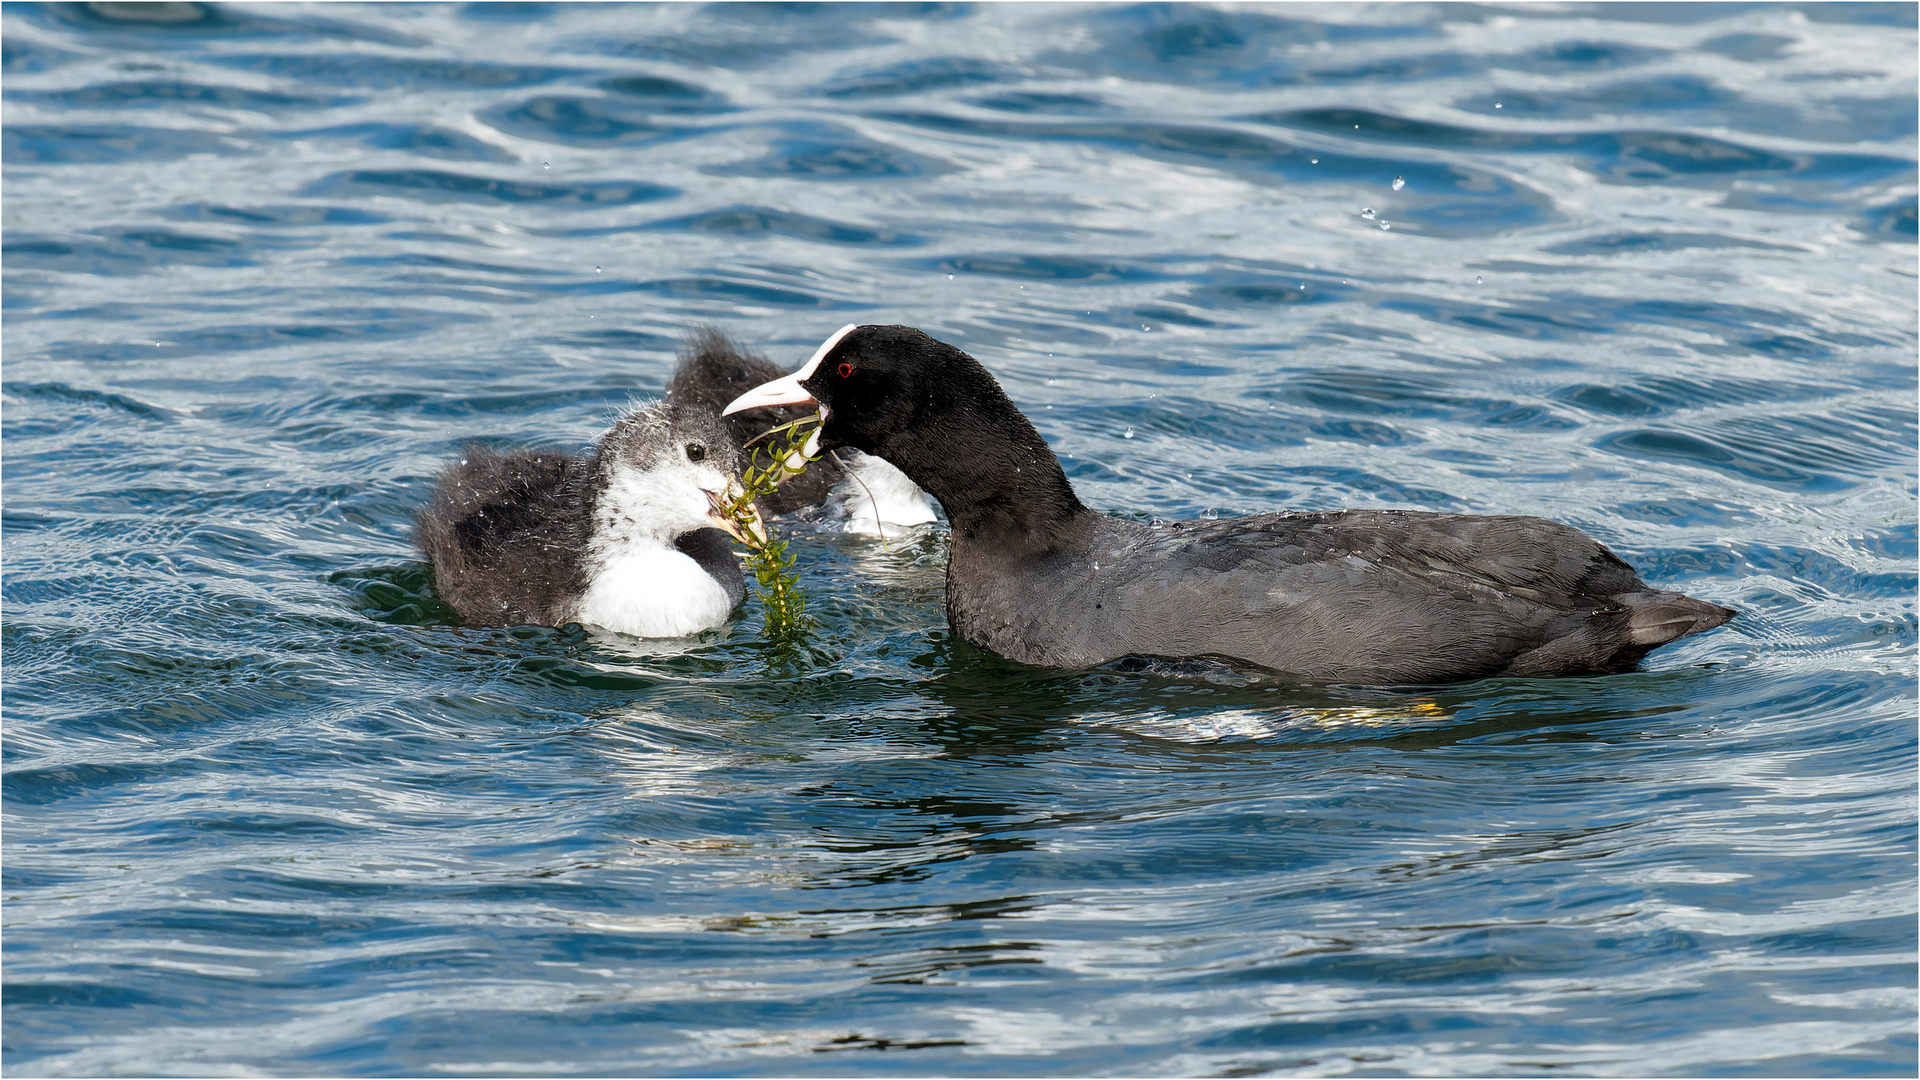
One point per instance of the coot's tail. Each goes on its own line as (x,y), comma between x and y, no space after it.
(1660,617)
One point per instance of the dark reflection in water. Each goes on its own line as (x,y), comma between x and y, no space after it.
(271,808)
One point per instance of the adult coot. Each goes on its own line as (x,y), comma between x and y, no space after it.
(865,494)
(626,537)
(1375,596)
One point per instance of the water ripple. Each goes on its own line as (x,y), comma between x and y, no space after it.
(271,807)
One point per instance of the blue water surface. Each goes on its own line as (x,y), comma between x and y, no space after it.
(269,808)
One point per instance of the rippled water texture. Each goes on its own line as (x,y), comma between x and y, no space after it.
(1648,270)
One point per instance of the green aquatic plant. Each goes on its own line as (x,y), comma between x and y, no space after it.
(772,566)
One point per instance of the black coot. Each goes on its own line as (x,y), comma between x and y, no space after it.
(1374,596)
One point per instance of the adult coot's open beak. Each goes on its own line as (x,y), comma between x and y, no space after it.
(755,532)
(783,391)
(787,389)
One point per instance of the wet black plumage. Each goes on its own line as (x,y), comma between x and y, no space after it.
(1357,596)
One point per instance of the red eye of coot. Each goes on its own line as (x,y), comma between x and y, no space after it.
(846,370)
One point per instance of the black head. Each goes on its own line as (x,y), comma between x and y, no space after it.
(934,412)
(882,380)
(875,383)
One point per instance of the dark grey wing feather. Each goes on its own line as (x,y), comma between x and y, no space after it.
(1375,595)
(505,534)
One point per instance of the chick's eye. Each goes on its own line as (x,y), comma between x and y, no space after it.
(845,369)
(696,452)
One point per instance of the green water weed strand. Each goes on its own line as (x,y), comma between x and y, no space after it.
(768,558)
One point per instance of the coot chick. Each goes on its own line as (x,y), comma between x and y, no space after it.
(1371,596)
(865,493)
(626,537)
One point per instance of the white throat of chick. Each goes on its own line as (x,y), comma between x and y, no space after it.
(637,582)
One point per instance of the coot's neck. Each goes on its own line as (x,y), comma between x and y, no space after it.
(997,479)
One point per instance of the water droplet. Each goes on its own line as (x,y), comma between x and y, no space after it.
(949,277)
(1303,286)
(546,165)
(1356,127)
(1128,434)
(1496,104)
(1385,225)
(1052,382)
(1210,514)
(1145,329)
(1151,396)
(1096,566)
(1366,213)
(1313,161)
(1399,182)
(1477,280)
(596,269)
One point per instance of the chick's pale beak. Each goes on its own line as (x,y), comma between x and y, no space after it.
(755,532)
